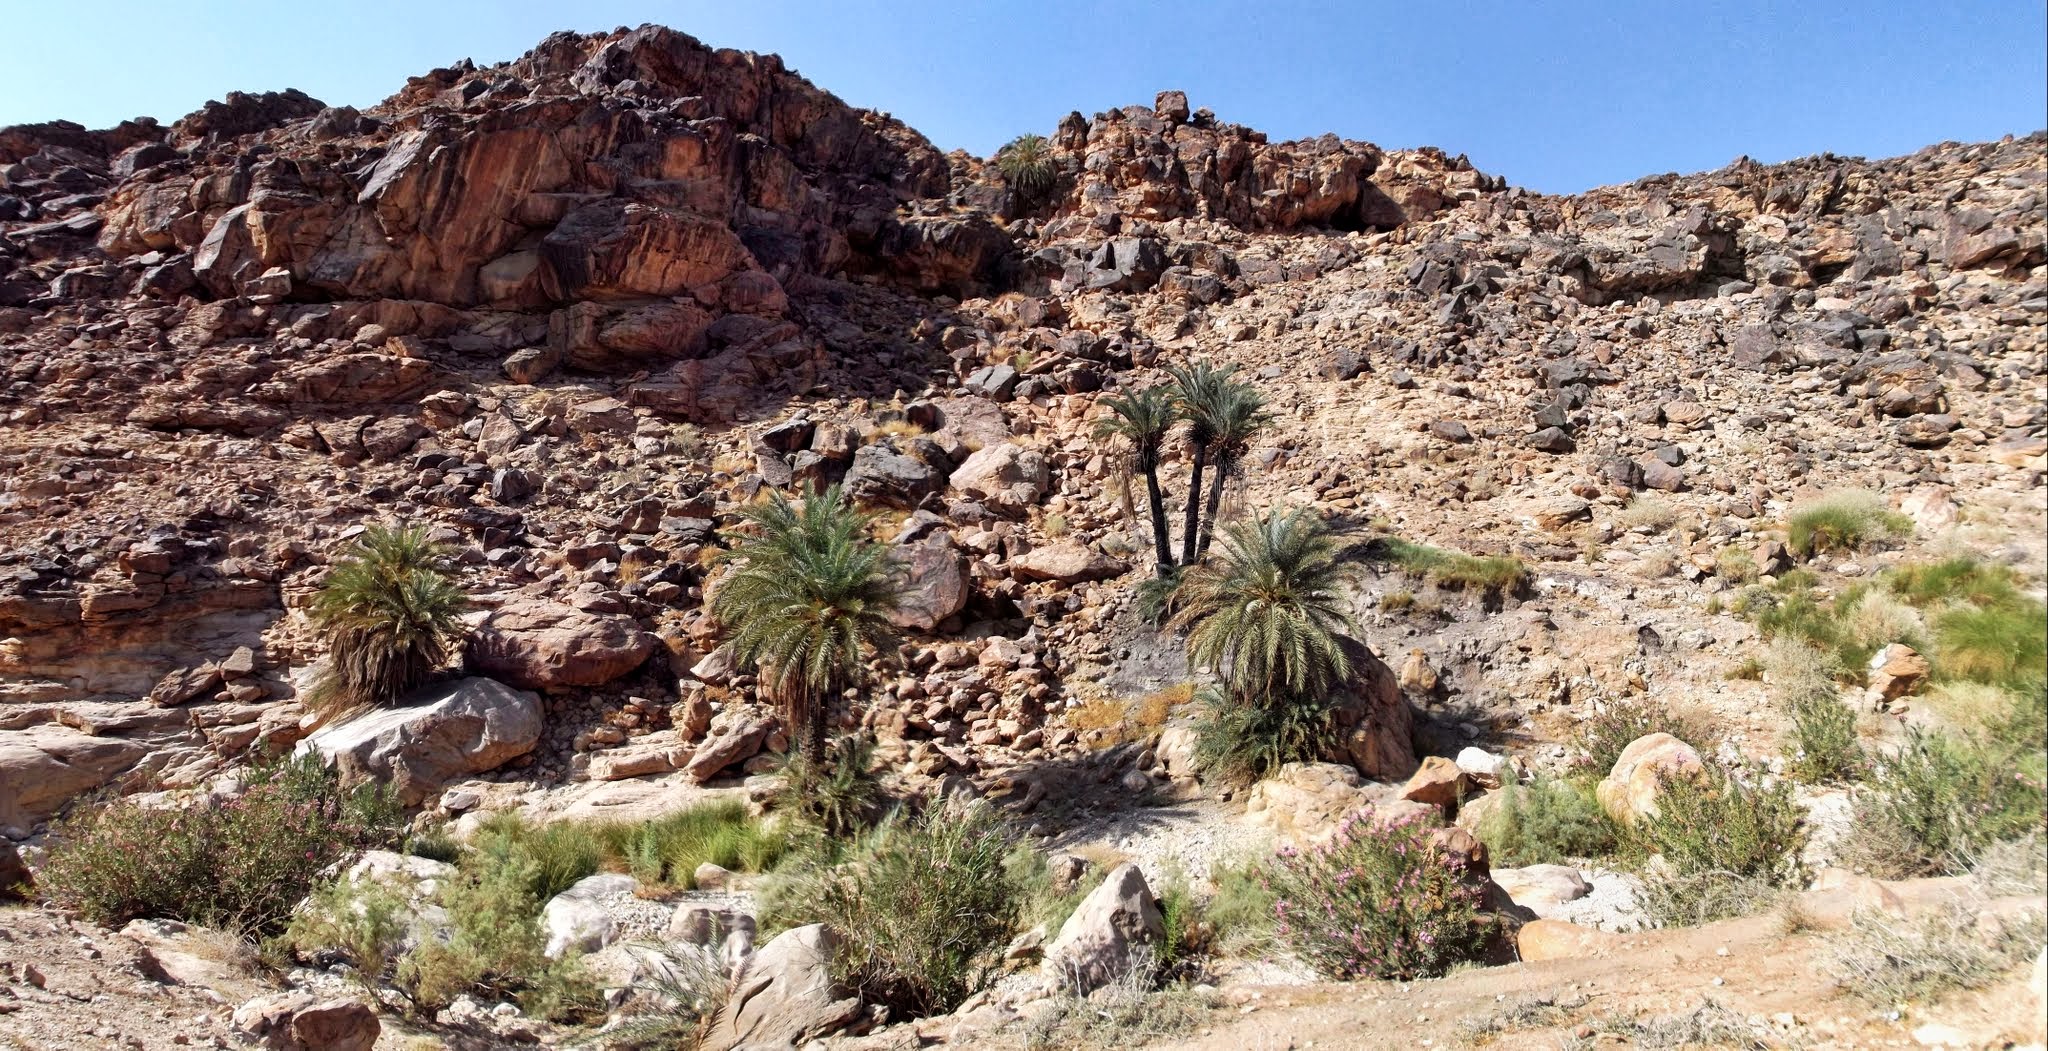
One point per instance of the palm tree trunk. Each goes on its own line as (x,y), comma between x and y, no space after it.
(1190,525)
(1162,530)
(1223,473)
(814,729)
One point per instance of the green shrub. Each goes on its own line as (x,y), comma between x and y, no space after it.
(1028,165)
(1890,962)
(1718,824)
(1185,924)
(1544,821)
(435,844)
(1824,744)
(1600,738)
(1044,900)
(1454,570)
(926,907)
(1726,847)
(364,922)
(495,949)
(1240,913)
(1152,599)
(1843,521)
(1379,900)
(239,864)
(1239,742)
(1941,799)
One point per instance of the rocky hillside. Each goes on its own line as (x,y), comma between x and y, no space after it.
(575,309)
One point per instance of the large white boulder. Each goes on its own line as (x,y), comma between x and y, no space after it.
(578,920)
(442,733)
(783,995)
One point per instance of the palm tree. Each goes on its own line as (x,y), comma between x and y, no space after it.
(1269,617)
(1238,414)
(1196,389)
(1142,421)
(390,616)
(809,602)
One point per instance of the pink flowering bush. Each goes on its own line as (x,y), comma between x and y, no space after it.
(239,863)
(1380,899)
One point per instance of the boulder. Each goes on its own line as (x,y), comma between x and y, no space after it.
(783,995)
(442,733)
(1437,782)
(1542,939)
(1542,889)
(1375,724)
(736,741)
(45,766)
(1558,512)
(14,874)
(301,1021)
(882,475)
(1629,792)
(537,644)
(1066,563)
(1896,671)
(1303,802)
(1486,769)
(1113,925)
(934,583)
(577,920)
(656,753)
(1006,478)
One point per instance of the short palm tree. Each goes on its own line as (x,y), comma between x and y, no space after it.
(1197,388)
(1237,415)
(1142,421)
(1268,618)
(390,615)
(1027,165)
(809,602)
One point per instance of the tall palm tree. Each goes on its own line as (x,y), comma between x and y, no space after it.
(1269,616)
(809,602)
(390,615)
(1238,414)
(1196,389)
(1143,421)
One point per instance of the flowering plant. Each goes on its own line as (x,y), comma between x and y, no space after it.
(1380,899)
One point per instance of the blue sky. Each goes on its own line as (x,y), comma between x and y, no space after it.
(1558,97)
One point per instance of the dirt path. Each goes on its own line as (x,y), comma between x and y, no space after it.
(1710,982)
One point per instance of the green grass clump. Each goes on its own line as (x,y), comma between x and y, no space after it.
(667,850)
(1844,521)
(1545,821)
(1455,570)
(551,858)
(1735,565)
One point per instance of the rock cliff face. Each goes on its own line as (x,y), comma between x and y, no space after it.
(575,310)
